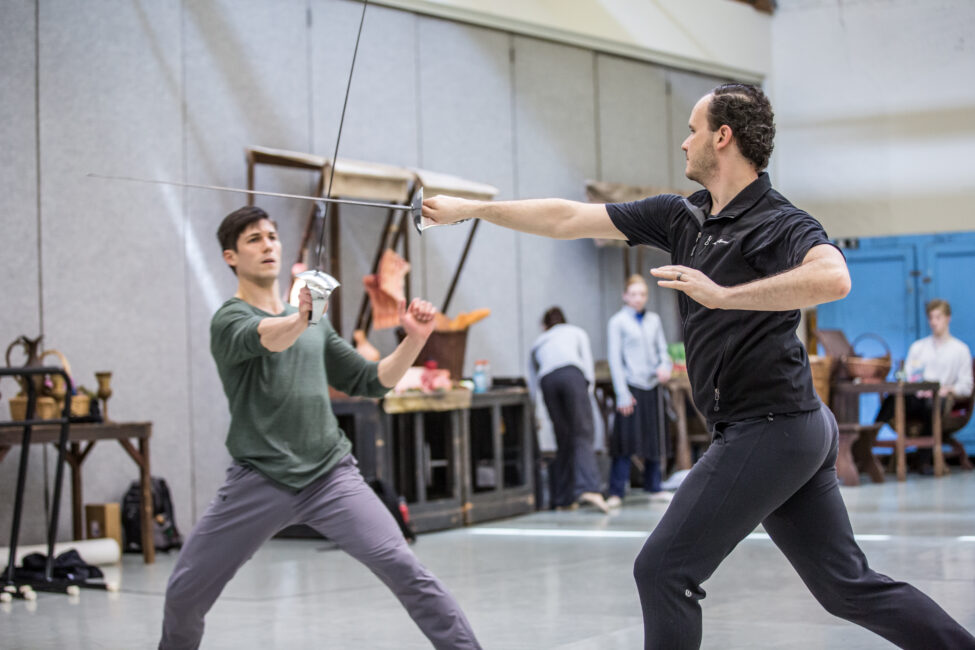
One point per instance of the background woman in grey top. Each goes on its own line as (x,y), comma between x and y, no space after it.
(561,365)
(638,362)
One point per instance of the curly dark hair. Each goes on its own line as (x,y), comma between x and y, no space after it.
(747,110)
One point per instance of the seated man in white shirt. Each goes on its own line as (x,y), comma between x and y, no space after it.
(941,358)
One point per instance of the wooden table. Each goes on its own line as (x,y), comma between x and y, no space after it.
(432,448)
(90,433)
(498,431)
(899,390)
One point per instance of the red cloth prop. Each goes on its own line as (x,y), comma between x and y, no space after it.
(387,288)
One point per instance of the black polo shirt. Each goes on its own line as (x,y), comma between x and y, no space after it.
(742,364)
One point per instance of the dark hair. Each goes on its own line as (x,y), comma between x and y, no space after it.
(747,111)
(237,222)
(553,317)
(937,303)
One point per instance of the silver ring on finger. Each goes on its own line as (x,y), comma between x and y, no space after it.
(679,276)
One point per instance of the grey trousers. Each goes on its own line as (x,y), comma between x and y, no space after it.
(249,508)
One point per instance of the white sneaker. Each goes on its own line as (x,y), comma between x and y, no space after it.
(663,495)
(595,499)
(614,501)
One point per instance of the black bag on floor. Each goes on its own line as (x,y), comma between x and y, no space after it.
(396,505)
(67,566)
(164,532)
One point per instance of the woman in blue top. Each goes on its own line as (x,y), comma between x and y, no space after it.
(638,362)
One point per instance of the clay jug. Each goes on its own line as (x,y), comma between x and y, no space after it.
(32,350)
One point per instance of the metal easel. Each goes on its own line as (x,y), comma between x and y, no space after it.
(24,588)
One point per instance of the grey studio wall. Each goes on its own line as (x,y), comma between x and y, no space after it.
(124,277)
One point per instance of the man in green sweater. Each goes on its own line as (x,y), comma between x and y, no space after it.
(291,462)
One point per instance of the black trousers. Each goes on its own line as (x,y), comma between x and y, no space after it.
(779,472)
(566,394)
(915,408)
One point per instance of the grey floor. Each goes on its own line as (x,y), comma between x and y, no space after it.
(546,580)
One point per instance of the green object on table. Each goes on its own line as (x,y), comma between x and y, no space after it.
(676,352)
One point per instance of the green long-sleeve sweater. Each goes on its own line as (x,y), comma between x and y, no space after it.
(281,417)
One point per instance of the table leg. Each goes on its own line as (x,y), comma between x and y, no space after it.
(76,494)
(900,427)
(864,458)
(148,546)
(846,469)
(938,452)
(420,453)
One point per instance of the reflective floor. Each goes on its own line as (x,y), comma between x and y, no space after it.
(547,580)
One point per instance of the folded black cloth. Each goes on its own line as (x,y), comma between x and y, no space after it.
(67,566)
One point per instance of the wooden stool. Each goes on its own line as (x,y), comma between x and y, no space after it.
(863,450)
(846,469)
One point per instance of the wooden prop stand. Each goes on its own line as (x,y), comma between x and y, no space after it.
(432,183)
(352,179)
(373,182)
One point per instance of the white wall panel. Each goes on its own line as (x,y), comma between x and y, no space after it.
(112,253)
(555,152)
(634,148)
(633,128)
(466,130)
(20,279)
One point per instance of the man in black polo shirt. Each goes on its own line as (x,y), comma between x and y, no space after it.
(745,261)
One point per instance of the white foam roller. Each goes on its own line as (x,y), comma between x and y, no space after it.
(92,551)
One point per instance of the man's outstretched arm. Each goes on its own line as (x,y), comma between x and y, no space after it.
(556,218)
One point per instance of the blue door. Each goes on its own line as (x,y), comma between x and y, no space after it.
(947,266)
(882,301)
(893,278)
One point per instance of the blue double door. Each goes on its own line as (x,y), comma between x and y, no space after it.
(893,279)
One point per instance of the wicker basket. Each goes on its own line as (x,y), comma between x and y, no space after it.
(822,369)
(49,407)
(447,348)
(46,408)
(868,370)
